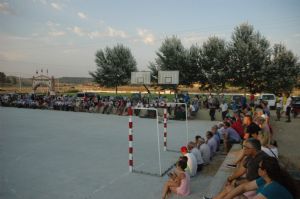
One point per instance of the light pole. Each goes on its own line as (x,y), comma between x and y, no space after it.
(20,83)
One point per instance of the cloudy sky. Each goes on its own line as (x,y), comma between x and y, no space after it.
(64,35)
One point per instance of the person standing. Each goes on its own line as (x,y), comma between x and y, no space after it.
(288,107)
(224,109)
(213,105)
(279,104)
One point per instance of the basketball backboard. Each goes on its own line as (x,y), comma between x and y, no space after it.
(168,77)
(140,77)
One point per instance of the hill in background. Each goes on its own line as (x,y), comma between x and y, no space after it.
(75,80)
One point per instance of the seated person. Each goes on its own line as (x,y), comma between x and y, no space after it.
(265,132)
(194,150)
(180,112)
(249,167)
(216,135)
(191,163)
(273,183)
(252,129)
(179,182)
(212,143)
(270,149)
(204,149)
(230,136)
(192,111)
(237,124)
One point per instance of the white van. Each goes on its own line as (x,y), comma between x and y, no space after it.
(81,95)
(268,97)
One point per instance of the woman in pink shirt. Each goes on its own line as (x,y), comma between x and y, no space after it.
(179,181)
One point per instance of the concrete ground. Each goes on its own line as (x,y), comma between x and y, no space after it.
(55,154)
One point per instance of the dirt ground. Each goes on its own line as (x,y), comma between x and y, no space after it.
(287,136)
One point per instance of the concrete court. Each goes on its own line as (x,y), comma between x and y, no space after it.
(54,154)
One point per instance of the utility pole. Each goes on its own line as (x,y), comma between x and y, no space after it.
(58,85)
(20,83)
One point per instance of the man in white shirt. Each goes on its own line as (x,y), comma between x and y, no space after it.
(194,150)
(191,163)
(288,106)
(224,109)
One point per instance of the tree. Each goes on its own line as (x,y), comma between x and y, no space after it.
(114,66)
(194,70)
(154,68)
(2,78)
(173,56)
(249,55)
(214,60)
(283,72)
(14,80)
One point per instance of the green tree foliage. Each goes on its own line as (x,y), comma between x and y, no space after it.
(7,80)
(14,80)
(114,66)
(214,62)
(283,71)
(2,78)
(173,56)
(194,67)
(154,68)
(249,54)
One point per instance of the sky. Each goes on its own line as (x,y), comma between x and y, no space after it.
(62,36)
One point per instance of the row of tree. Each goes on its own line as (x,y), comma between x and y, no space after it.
(7,80)
(247,61)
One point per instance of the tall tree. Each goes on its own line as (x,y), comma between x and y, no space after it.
(154,68)
(214,60)
(283,72)
(2,78)
(173,56)
(114,66)
(194,70)
(249,55)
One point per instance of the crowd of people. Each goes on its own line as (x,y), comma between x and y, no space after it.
(119,104)
(257,170)
(104,104)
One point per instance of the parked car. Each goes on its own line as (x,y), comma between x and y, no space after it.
(82,95)
(295,105)
(267,97)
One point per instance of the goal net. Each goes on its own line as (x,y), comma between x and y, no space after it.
(148,156)
(177,126)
